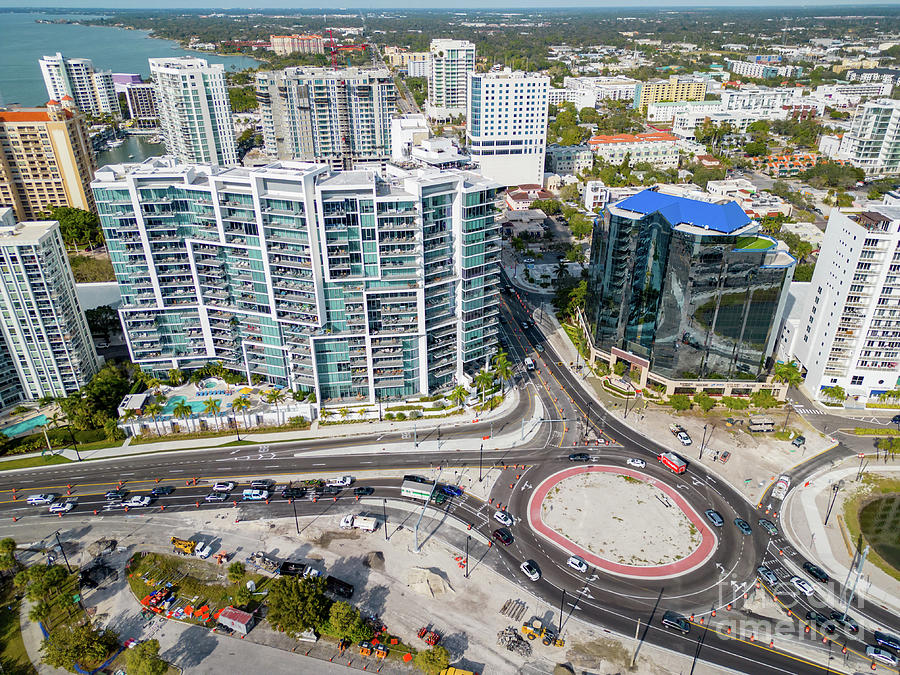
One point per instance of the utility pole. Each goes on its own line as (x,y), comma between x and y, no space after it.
(835,488)
(296,520)
(562,603)
(415,437)
(422,514)
(637,629)
(384,513)
(63,551)
(787,417)
(468,536)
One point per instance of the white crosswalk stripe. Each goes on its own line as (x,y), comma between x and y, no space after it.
(808,411)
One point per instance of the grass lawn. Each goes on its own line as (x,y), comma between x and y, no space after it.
(32,462)
(12,649)
(872,487)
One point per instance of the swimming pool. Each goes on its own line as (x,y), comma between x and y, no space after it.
(25,425)
(196,406)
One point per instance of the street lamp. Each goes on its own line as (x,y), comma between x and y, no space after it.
(480,461)
(835,488)
(468,537)
(74,442)
(703,442)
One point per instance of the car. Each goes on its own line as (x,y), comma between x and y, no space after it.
(539,349)
(714,517)
(313,495)
(820,620)
(530,569)
(253,495)
(439,498)
(815,572)
(683,437)
(203,550)
(577,563)
(451,490)
(225,486)
(503,518)
(41,500)
(579,457)
(503,535)
(743,526)
(676,621)
(293,493)
(768,526)
(262,484)
(895,419)
(802,585)
(637,463)
(138,500)
(887,640)
(767,575)
(63,507)
(116,495)
(528,261)
(798,441)
(724,456)
(216,496)
(327,490)
(114,506)
(524,325)
(131,643)
(162,491)
(363,491)
(844,621)
(879,654)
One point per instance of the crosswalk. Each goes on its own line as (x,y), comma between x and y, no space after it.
(807,411)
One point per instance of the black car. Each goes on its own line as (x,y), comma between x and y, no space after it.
(815,572)
(262,484)
(331,490)
(895,419)
(676,621)
(821,621)
(116,495)
(162,491)
(844,622)
(293,493)
(503,536)
(887,640)
(363,491)
(579,457)
(743,525)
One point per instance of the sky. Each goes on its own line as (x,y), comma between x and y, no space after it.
(430,4)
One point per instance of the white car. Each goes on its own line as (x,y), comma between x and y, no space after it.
(137,501)
(63,507)
(41,500)
(637,463)
(683,437)
(503,518)
(203,550)
(530,570)
(577,563)
(528,261)
(802,585)
(227,486)
(883,655)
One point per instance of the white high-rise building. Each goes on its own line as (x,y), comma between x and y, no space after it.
(339,117)
(873,142)
(844,327)
(93,91)
(194,111)
(451,63)
(507,125)
(43,327)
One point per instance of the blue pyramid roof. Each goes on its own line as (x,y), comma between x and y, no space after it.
(725,218)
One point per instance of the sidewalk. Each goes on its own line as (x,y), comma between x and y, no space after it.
(33,637)
(802,511)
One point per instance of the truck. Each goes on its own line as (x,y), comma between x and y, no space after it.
(782,485)
(343,481)
(761,423)
(418,489)
(529,364)
(672,462)
(337,587)
(183,546)
(363,523)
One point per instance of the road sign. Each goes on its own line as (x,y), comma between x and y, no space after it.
(861,455)
(76,598)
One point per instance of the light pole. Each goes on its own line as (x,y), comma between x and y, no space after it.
(480,461)
(63,551)
(787,417)
(703,442)
(296,520)
(384,513)
(835,488)
(468,536)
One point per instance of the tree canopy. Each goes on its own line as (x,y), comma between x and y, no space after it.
(297,604)
(77,226)
(144,659)
(81,645)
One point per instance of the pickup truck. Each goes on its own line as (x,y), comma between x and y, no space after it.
(360,522)
(782,485)
(343,481)
(679,433)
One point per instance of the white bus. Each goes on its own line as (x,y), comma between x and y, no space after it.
(417,489)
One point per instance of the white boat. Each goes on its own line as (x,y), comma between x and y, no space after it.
(115,143)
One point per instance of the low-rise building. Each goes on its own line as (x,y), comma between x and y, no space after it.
(527,223)
(887,75)
(676,88)
(407,131)
(568,159)
(580,98)
(762,71)
(604,88)
(521,197)
(656,148)
(666,110)
(849,94)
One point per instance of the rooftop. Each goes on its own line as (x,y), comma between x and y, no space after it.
(725,218)
(651,137)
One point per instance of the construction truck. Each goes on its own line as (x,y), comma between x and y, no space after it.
(359,522)
(457,671)
(183,546)
(536,629)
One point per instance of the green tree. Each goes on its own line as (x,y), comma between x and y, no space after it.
(154,410)
(704,401)
(433,661)
(550,207)
(242,404)
(346,622)
(483,380)
(102,320)
(176,377)
(243,99)
(236,571)
(788,373)
(763,399)
(82,645)
(458,395)
(275,397)
(297,604)
(835,393)
(680,402)
(8,554)
(79,228)
(242,596)
(580,225)
(40,611)
(213,406)
(113,431)
(183,412)
(502,367)
(620,368)
(144,659)
(569,193)
(735,403)
(756,149)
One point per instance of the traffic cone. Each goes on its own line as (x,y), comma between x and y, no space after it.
(729,606)
(198,504)
(714,612)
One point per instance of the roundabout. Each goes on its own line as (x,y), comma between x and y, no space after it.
(621,521)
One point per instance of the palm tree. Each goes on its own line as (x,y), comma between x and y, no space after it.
(274,397)
(788,373)
(835,393)
(213,406)
(459,395)
(344,413)
(183,411)
(241,403)
(483,380)
(176,377)
(154,410)
(127,416)
(502,367)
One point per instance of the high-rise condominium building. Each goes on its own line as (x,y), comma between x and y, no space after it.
(676,88)
(93,91)
(686,290)
(337,117)
(141,105)
(194,111)
(357,285)
(873,142)
(46,159)
(297,44)
(43,328)
(507,125)
(451,63)
(844,328)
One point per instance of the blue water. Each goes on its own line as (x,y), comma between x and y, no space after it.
(24,42)
(25,426)
(196,406)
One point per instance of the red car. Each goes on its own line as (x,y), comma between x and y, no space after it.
(503,536)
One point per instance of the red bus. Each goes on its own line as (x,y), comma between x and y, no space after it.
(673,462)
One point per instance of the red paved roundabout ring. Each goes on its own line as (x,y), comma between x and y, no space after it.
(700,556)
